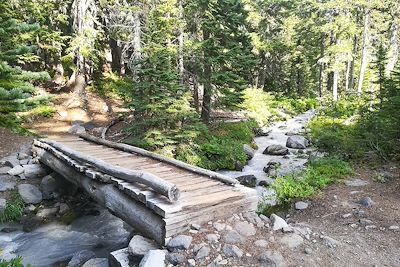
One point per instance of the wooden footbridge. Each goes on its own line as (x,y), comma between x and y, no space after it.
(158,196)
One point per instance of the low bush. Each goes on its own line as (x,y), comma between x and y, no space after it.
(16,262)
(14,208)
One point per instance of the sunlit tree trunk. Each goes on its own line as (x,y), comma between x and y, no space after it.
(393,54)
(181,67)
(351,66)
(137,44)
(206,107)
(364,53)
(321,66)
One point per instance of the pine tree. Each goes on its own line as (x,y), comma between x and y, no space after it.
(16,92)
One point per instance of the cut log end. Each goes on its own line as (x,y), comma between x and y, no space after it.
(174,194)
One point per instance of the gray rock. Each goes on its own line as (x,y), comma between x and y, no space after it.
(191,262)
(365,222)
(366,202)
(34,171)
(3,204)
(247,180)
(347,215)
(47,213)
(203,252)
(356,182)
(48,185)
(233,237)
(245,228)
(249,151)
(265,218)
(297,141)
(232,251)
(139,245)
(96,262)
(175,258)
(77,129)
(271,259)
(30,194)
(261,243)
(17,170)
(291,240)
(197,247)
(6,183)
(180,242)
(219,226)
(330,242)
(80,257)
(212,238)
(252,217)
(308,250)
(394,227)
(153,258)
(277,222)
(277,150)
(11,161)
(195,226)
(63,208)
(120,258)
(4,170)
(301,205)
(22,156)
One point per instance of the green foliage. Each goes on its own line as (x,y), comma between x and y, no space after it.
(112,85)
(295,106)
(318,174)
(44,111)
(14,208)
(16,262)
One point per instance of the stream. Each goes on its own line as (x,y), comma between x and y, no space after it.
(290,163)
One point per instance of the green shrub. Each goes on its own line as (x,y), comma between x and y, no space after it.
(16,262)
(318,174)
(296,106)
(44,111)
(14,208)
(114,85)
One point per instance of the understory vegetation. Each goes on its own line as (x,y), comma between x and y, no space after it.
(14,208)
(16,262)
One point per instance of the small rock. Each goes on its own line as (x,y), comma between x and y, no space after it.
(30,194)
(197,247)
(300,205)
(288,229)
(195,226)
(203,252)
(22,156)
(356,182)
(77,129)
(80,257)
(120,258)
(360,213)
(212,238)
(219,226)
(191,262)
(245,228)
(265,218)
(271,259)
(278,222)
(297,141)
(3,204)
(247,180)
(365,222)
(308,250)
(34,171)
(17,170)
(6,183)
(4,170)
(96,262)
(261,243)
(175,258)
(48,185)
(233,237)
(139,245)
(366,202)
(291,240)
(252,217)
(153,258)
(394,227)
(232,251)
(11,161)
(63,208)
(47,213)
(330,242)
(370,227)
(180,242)
(347,215)
(277,150)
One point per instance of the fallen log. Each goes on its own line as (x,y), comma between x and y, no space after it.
(132,212)
(174,162)
(157,184)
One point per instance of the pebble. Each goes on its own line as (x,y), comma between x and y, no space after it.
(180,242)
(265,218)
(195,226)
(197,247)
(175,258)
(191,262)
(271,258)
(232,251)
(139,245)
(356,182)
(245,228)
(301,205)
(233,237)
(347,215)
(4,170)
(219,226)
(212,238)
(291,240)
(330,242)
(203,252)
(6,183)
(365,222)
(278,222)
(308,250)
(370,227)
(394,227)
(119,258)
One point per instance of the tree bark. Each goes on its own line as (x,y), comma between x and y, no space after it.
(335,81)
(206,107)
(137,45)
(364,53)
(180,43)
(321,66)
(352,62)
(260,80)
(393,54)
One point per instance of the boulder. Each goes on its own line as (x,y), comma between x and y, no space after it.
(249,151)
(232,251)
(139,245)
(81,257)
(30,194)
(48,185)
(180,242)
(3,204)
(34,171)
(297,141)
(276,150)
(77,129)
(153,258)
(278,223)
(119,258)
(271,168)
(247,180)
(96,262)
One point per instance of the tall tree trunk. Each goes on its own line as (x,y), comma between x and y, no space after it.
(321,66)
(180,42)
(137,45)
(346,86)
(262,72)
(206,107)
(352,62)
(393,54)
(116,53)
(364,53)
(335,82)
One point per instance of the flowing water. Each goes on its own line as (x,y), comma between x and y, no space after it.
(277,135)
(55,242)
